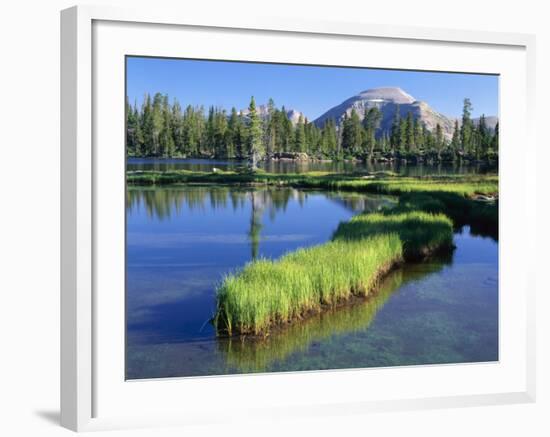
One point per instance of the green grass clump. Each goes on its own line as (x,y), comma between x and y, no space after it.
(421,233)
(268,293)
(257,354)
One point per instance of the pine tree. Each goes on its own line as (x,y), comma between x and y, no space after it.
(402,141)
(231,134)
(329,139)
(177,129)
(300,144)
(439,140)
(484,135)
(429,141)
(288,131)
(132,123)
(313,139)
(371,123)
(455,142)
(166,138)
(254,136)
(494,142)
(352,134)
(270,135)
(409,133)
(147,126)
(466,130)
(395,129)
(138,133)
(157,123)
(418,138)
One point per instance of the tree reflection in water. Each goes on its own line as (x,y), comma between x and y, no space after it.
(167,203)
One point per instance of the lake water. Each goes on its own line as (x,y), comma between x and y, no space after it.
(181,241)
(300,167)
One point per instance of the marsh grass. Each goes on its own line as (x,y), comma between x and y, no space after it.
(257,354)
(253,354)
(378,182)
(268,293)
(420,233)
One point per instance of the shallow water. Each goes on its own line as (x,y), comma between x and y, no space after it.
(300,167)
(181,241)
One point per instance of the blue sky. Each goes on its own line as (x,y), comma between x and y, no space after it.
(312,90)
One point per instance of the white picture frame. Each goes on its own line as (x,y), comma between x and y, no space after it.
(94,394)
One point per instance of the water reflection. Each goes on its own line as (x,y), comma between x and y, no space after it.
(182,240)
(258,205)
(301,167)
(245,354)
(162,203)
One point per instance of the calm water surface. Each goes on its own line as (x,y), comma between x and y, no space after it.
(182,241)
(300,167)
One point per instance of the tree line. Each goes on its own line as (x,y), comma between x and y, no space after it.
(159,128)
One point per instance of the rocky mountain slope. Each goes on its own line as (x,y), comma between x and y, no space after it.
(388,100)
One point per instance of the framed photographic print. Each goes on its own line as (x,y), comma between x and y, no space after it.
(252,209)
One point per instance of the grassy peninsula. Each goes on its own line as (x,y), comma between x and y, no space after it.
(268,293)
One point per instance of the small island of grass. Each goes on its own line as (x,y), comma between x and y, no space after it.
(269,293)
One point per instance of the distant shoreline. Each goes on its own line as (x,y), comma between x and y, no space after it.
(381,160)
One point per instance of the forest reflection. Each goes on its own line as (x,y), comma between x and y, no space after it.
(167,203)
(173,203)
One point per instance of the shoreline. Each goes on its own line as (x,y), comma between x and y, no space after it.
(404,160)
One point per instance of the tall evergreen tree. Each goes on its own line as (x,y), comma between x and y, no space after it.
(147,126)
(177,129)
(456,141)
(439,140)
(352,134)
(466,130)
(418,138)
(484,135)
(395,129)
(270,128)
(494,142)
(402,140)
(132,126)
(329,139)
(254,135)
(371,123)
(166,137)
(300,144)
(410,145)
